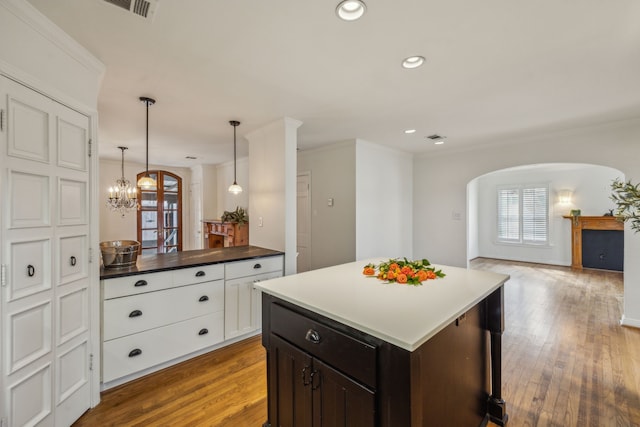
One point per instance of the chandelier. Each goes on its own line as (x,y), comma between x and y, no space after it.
(123,197)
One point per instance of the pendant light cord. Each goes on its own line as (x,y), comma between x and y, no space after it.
(235,180)
(147,103)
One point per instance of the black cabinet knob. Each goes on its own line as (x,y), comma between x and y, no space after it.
(203,298)
(135,313)
(200,273)
(135,352)
(203,331)
(73,261)
(140,283)
(31,270)
(257,266)
(312,336)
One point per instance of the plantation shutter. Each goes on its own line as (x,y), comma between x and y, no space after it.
(535,220)
(509,215)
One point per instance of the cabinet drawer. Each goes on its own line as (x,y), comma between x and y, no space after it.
(136,313)
(124,356)
(252,267)
(138,284)
(346,353)
(205,273)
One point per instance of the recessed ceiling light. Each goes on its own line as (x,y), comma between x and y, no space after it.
(410,131)
(190,157)
(439,142)
(350,10)
(413,62)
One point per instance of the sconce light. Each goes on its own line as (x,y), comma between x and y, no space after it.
(564,197)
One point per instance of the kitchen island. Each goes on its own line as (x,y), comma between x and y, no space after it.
(344,349)
(171,307)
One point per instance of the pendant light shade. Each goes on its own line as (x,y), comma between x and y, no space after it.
(234,188)
(146,181)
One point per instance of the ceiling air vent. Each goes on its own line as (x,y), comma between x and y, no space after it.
(142,8)
(435,137)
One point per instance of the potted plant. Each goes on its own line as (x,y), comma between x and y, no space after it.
(626,196)
(238,216)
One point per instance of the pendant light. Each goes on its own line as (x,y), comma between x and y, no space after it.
(234,188)
(146,182)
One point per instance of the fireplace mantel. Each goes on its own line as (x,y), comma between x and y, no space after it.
(579,223)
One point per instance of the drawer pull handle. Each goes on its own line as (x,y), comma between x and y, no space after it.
(135,352)
(203,331)
(203,298)
(200,273)
(31,270)
(135,313)
(312,336)
(140,283)
(257,266)
(73,261)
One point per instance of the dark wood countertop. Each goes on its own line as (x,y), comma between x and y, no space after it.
(177,260)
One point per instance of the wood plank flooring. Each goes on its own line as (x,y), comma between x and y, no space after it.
(566,362)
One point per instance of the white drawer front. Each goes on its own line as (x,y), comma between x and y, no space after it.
(137,313)
(136,352)
(205,273)
(252,267)
(138,284)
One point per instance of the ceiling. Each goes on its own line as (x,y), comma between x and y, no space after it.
(495,70)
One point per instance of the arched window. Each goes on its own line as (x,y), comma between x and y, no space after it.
(160,214)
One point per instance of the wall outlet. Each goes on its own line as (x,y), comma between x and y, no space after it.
(259,221)
(456,216)
(330,202)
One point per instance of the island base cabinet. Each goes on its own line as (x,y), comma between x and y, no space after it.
(320,372)
(310,393)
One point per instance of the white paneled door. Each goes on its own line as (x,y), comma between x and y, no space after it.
(44,188)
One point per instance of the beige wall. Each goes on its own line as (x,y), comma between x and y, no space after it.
(333,229)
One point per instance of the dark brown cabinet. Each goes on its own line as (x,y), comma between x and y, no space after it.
(312,393)
(308,391)
(321,372)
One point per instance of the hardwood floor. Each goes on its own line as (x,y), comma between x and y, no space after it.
(566,362)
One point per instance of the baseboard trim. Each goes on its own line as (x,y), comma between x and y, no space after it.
(625,321)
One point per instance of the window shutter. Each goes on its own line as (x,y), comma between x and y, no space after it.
(509,215)
(535,221)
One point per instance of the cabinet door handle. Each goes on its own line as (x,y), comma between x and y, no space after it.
(135,352)
(31,270)
(73,261)
(135,313)
(305,382)
(203,298)
(312,336)
(257,266)
(203,331)
(140,283)
(200,273)
(312,377)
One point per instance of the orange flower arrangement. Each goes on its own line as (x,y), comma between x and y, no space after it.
(403,271)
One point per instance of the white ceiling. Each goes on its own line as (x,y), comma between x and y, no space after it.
(495,70)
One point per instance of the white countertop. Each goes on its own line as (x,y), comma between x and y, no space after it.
(406,316)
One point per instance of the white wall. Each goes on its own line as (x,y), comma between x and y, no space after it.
(384,194)
(333,228)
(591,189)
(112,225)
(443,179)
(473,246)
(272,160)
(46,58)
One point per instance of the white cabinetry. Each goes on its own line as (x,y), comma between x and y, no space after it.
(242,305)
(149,319)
